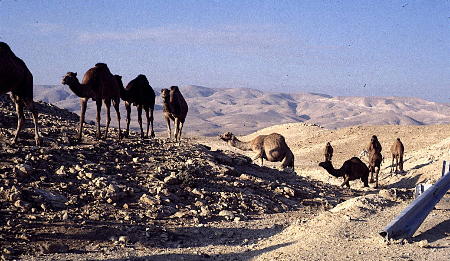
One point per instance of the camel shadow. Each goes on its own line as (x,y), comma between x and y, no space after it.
(200,257)
(405,182)
(435,233)
(422,165)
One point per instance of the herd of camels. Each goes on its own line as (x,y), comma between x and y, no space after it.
(100,85)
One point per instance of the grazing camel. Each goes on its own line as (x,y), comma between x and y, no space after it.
(271,147)
(139,93)
(174,108)
(17,79)
(99,85)
(352,169)
(397,151)
(328,152)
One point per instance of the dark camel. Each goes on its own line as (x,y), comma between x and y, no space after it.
(352,169)
(375,159)
(174,108)
(328,152)
(271,147)
(99,85)
(397,151)
(17,79)
(139,93)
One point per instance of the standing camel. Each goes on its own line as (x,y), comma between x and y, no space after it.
(174,108)
(139,93)
(328,152)
(397,151)
(375,159)
(271,147)
(17,79)
(99,85)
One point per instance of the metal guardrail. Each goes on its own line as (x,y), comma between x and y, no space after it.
(409,220)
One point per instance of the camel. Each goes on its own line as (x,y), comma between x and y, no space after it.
(17,79)
(352,169)
(139,93)
(99,85)
(174,108)
(374,145)
(328,152)
(271,147)
(375,159)
(397,151)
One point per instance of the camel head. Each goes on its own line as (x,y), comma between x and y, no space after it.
(328,166)
(174,89)
(119,79)
(227,136)
(374,139)
(165,94)
(69,78)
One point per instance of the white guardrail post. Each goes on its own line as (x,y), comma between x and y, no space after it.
(409,220)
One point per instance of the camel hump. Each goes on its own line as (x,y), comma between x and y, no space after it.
(5,49)
(100,65)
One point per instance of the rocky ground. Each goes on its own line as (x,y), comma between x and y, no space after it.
(99,195)
(155,199)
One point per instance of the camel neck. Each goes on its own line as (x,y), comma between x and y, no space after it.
(334,172)
(80,90)
(242,145)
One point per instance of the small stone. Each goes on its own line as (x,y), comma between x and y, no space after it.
(123,239)
(135,160)
(21,204)
(65,216)
(125,206)
(227,214)
(423,243)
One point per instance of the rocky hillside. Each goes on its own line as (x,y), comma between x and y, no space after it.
(99,193)
(243,111)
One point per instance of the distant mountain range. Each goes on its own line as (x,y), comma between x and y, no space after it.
(241,110)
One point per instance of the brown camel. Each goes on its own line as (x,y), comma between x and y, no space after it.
(99,85)
(139,93)
(374,145)
(271,147)
(174,108)
(352,169)
(375,159)
(17,79)
(328,152)
(397,151)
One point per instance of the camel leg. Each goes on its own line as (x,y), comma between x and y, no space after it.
(169,131)
(393,161)
(108,115)
(128,108)
(181,129)
(177,127)
(377,171)
(99,109)
(288,161)
(365,180)
(257,156)
(346,182)
(116,103)
(83,103)
(37,136)
(401,163)
(371,175)
(139,109)
(20,117)
(152,133)
(147,115)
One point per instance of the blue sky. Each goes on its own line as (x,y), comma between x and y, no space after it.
(362,48)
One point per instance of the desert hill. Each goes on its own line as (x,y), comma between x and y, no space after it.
(244,111)
(201,200)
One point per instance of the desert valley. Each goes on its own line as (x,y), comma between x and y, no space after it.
(200,199)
